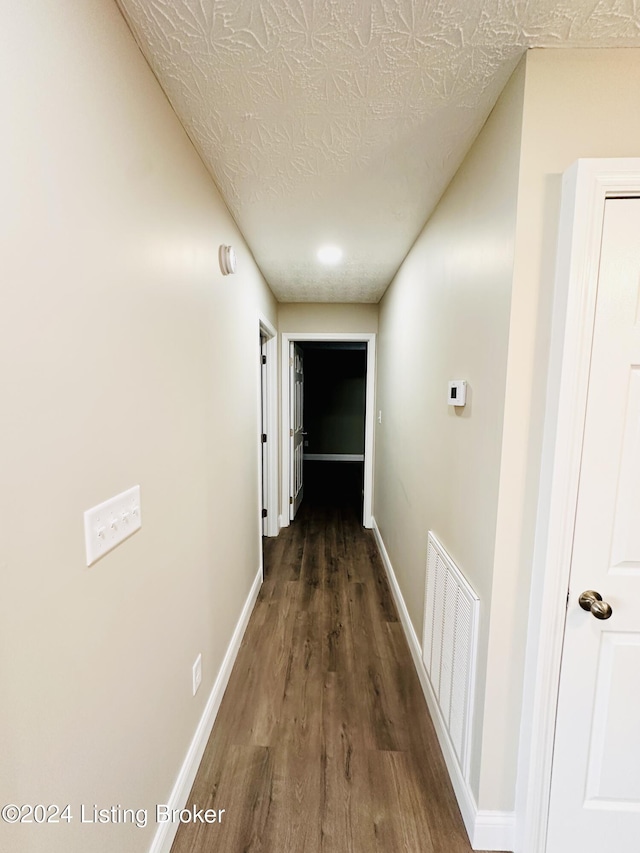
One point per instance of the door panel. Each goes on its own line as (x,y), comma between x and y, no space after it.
(297,429)
(625,546)
(595,790)
(613,774)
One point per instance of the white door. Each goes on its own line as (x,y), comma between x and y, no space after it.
(296,385)
(595,787)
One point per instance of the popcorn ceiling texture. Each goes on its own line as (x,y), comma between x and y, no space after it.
(335,121)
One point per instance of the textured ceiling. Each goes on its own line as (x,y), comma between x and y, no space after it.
(342,121)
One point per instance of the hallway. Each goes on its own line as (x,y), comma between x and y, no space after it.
(322,741)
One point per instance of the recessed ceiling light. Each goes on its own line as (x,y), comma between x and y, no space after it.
(330,254)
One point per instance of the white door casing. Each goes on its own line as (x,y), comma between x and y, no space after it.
(286,466)
(595,790)
(264,433)
(296,409)
(586,187)
(268,424)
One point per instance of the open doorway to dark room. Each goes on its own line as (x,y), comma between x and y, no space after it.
(334,422)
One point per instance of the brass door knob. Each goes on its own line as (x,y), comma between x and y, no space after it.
(592,601)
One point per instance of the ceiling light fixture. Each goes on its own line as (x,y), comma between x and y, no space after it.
(227,259)
(330,254)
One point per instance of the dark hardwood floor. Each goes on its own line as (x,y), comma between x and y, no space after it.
(323,740)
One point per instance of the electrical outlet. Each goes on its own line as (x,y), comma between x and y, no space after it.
(197,673)
(457,395)
(111,522)
(379,416)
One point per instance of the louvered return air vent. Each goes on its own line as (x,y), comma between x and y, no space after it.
(449,646)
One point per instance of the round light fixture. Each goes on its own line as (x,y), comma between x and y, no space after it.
(330,254)
(227,259)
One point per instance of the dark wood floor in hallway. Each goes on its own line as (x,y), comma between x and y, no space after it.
(323,741)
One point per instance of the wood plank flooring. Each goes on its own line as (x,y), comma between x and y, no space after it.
(323,743)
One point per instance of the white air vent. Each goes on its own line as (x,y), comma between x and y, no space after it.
(449,645)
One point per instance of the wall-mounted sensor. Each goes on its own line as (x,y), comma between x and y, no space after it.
(457,392)
(227,259)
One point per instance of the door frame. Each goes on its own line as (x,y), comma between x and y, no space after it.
(585,188)
(296,435)
(270,493)
(298,337)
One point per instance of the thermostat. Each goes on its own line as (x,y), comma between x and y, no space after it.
(457,392)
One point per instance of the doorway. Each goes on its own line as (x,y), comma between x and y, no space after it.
(334,422)
(335,438)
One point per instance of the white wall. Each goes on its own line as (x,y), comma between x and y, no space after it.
(125,358)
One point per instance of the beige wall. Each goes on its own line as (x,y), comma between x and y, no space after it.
(446,316)
(126,358)
(320,318)
(327,317)
(473,300)
(578,103)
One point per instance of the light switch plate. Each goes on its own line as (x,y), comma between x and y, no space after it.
(111,522)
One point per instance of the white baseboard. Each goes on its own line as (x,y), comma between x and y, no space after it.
(166,832)
(487,830)
(333,457)
(494,830)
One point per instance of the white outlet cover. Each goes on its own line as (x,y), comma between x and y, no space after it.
(111,522)
(457,395)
